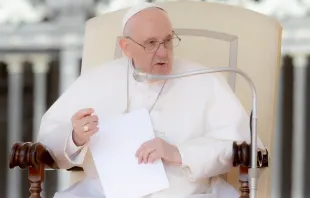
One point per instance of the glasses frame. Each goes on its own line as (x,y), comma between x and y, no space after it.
(160,43)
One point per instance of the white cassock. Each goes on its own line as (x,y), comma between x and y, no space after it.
(199,114)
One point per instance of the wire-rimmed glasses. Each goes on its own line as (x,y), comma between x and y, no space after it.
(153,45)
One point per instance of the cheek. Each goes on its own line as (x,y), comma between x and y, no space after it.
(148,61)
(144,60)
(170,53)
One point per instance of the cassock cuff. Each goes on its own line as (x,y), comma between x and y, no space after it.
(197,165)
(185,166)
(74,153)
(71,148)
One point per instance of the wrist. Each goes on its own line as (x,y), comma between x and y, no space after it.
(77,142)
(177,156)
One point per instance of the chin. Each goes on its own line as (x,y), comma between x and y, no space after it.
(162,69)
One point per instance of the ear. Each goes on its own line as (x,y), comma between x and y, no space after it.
(124,46)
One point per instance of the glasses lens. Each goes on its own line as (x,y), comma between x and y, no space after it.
(151,46)
(169,44)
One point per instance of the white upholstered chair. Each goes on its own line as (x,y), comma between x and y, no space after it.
(215,35)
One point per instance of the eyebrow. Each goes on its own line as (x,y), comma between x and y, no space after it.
(154,38)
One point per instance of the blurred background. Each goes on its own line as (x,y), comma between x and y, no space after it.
(40,56)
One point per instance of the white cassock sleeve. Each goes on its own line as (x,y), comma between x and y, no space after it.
(225,121)
(56,129)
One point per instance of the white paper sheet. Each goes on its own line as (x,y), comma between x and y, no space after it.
(113,149)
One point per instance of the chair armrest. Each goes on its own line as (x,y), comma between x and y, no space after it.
(36,158)
(28,154)
(242,158)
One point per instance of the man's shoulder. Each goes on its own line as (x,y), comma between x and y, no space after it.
(112,67)
(183,65)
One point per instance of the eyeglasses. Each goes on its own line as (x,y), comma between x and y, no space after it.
(153,45)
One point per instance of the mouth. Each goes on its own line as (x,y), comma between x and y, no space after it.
(161,64)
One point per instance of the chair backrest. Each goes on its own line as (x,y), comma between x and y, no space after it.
(215,35)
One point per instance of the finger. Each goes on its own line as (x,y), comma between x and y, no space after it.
(92,125)
(146,154)
(81,128)
(92,131)
(140,157)
(89,127)
(88,120)
(139,151)
(154,156)
(144,145)
(82,113)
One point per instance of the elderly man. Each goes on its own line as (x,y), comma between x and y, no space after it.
(195,119)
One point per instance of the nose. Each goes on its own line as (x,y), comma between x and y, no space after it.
(162,50)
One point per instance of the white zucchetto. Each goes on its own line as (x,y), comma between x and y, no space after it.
(136,9)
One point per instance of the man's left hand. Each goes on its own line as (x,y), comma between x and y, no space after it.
(156,149)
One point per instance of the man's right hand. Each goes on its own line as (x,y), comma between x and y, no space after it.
(84,125)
